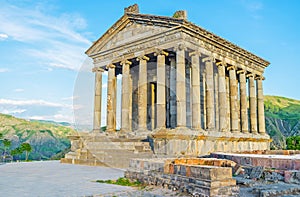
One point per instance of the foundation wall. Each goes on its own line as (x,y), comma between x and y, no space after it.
(189,143)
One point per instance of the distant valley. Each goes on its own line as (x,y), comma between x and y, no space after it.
(48,139)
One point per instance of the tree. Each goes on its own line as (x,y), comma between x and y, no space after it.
(27,148)
(6,144)
(16,152)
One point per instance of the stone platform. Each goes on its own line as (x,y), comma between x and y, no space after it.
(187,142)
(193,176)
(106,150)
(117,148)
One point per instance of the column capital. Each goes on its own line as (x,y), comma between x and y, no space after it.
(250,75)
(110,66)
(125,61)
(259,77)
(231,68)
(142,57)
(240,72)
(180,47)
(97,69)
(221,63)
(158,52)
(209,58)
(195,52)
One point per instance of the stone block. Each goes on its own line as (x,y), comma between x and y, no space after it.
(297,164)
(292,176)
(210,172)
(256,172)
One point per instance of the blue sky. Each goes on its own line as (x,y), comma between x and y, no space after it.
(42,44)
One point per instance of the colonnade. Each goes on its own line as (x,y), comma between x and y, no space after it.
(227,105)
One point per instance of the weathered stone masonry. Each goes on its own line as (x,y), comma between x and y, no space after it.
(190,91)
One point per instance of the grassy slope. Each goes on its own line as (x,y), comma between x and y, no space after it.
(282,118)
(45,138)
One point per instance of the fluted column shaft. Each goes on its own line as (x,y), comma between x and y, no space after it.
(196,105)
(210,120)
(111,99)
(260,106)
(125,119)
(97,99)
(161,90)
(243,102)
(234,117)
(180,88)
(173,92)
(222,97)
(252,97)
(142,95)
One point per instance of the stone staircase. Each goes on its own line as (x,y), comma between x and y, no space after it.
(102,150)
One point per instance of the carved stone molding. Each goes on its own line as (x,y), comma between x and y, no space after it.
(160,52)
(142,57)
(123,62)
(240,72)
(132,9)
(180,47)
(196,53)
(259,77)
(110,66)
(209,58)
(231,68)
(97,69)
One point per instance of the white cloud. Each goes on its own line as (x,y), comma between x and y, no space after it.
(55,117)
(19,90)
(3,37)
(13,111)
(57,41)
(3,70)
(37,109)
(32,102)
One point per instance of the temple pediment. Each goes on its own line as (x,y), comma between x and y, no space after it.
(131,33)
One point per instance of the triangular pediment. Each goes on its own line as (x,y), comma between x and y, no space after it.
(125,31)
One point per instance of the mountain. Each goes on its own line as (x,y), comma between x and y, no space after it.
(282,119)
(47,139)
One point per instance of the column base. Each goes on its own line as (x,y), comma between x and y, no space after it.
(125,130)
(96,131)
(110,130)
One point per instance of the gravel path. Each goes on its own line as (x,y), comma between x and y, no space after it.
(51,178)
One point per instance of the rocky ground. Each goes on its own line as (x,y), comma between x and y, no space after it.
(51,178)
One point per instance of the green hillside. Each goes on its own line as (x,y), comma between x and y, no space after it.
(47,139)
(282,119)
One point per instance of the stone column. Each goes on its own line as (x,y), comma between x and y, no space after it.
(252,98)
(243,101)
(125,120)
(130,102)
(111,97)
(161,89)
(196,105)
(234,117)
(173,92)
(97,99)
(142,93)
(209,78)
(260,105)
(222,97)
(180,86)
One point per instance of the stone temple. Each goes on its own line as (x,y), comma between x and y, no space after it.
(185,92)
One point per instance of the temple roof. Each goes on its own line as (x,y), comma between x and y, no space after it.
(169,22)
